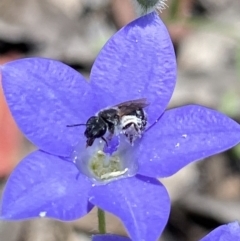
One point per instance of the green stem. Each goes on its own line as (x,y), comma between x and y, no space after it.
(101,221)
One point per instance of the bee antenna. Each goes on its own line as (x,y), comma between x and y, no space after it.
(76,125)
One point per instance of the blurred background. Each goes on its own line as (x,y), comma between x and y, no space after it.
(206,37)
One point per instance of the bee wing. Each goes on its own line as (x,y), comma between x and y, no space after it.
(127,107)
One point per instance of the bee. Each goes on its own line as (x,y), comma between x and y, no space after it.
(128,117)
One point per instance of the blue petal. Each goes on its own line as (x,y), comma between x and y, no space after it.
(43,185)
(137,62)
(44,96)
(141,203)
(184,135)
(228,232)
(109,237)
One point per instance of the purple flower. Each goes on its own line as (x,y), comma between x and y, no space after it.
(64,179)
(227,232)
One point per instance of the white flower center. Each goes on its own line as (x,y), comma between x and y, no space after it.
(103,164)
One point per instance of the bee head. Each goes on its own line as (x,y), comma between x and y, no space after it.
(95,128)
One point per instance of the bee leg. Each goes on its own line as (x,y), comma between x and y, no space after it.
(136,128)
(111,130)
(104,140)
(131,139)
(133,136)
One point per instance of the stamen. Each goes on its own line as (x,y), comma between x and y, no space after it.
(106,166)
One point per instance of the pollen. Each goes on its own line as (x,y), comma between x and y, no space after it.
(104,166)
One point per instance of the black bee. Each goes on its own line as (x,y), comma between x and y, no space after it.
(129,117)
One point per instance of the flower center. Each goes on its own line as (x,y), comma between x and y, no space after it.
(106,167)
(104,163)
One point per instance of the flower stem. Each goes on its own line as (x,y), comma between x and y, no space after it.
(101,221)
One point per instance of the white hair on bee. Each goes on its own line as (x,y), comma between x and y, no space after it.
(147,6)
